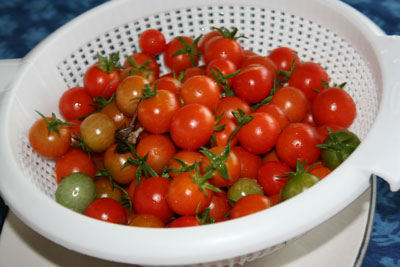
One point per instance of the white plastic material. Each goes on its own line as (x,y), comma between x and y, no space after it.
(348,45)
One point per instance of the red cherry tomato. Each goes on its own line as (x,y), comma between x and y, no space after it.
(201,89)
(260,134)
(144,62)
(231,103)
(75,103)
(188,157)
(152,42)
(168,83)
(219,206)
(253,83)
(270,178)
(100,83)
(308,77)
(159,150)
(185,197)
(192,126)
(184,221)
(248,205)
(150,198)
(249,162)
(334,106)
(50,143)
(181,61)
(74,160)
(275,112)
(222,47)
(221,136)
(155,113)
(298,141)
(292,102)
(284,57)
(108,210)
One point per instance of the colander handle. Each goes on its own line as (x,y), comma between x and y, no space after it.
(381,153)
(8,71)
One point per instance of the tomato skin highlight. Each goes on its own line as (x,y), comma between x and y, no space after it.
(192,126)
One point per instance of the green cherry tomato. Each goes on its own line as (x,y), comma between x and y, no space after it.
(243,187)
(76,192)
(298,184)
(299,181)
(337,147)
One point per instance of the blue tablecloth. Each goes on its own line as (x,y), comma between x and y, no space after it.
(23,24)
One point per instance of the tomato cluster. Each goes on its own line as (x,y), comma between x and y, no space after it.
(225,133)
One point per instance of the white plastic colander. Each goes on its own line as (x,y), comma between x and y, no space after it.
(349,46)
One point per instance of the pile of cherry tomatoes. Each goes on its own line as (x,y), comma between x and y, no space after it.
(225,133)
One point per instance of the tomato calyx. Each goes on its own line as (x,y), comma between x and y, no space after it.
(222,80)
(190,50)
(287,74)
(143,167)
(201,180)
(54,123)
(110,63)
(184,167)
(148,92)
(226,33)
(300,169)
(326,85)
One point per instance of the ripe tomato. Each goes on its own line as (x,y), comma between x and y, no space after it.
(270,156)
(248,205)
(292,102)
(334,106)
(112,111)
(185,197)
(97,131)
(152,42)
(113,162)
(220,68)
(188,157)
(192,71)
(223,47)
(253,83)
(320,170)
(298,141)
(260,134)
(283,57)
(146,220)
(75,103)
(150,198)
(201,89)
(98,81)
(50,137)
(192,126)
(168,83)
(181,53)
(221,136)
(74,160)
(275,112)
(208,36)
(231,103)
(184,221)
(108,210)
(308,77)
(159,150)
(270,176)
(260,60)
(127,91)
(232,164)
(219,206)
(143,65)
(155,113)
(249,162)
